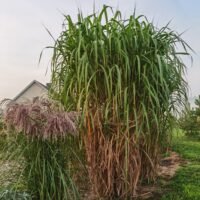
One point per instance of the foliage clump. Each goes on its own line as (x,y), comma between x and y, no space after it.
(126,78)
(190,120)
(42,128)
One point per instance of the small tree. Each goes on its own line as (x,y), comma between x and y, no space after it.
(190,121)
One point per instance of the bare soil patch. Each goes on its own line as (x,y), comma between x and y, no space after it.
(166,170)
(169,165)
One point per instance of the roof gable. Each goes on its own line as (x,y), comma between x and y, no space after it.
(34,82)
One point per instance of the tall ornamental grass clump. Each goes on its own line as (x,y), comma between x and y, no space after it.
(126,78)
(42,128)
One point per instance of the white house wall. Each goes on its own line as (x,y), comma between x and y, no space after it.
(35,90)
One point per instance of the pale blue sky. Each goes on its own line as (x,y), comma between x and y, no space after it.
(22,34)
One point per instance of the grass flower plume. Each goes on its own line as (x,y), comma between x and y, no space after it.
(42,119)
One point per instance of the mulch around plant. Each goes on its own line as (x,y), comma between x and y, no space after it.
(169,165)
(166,170)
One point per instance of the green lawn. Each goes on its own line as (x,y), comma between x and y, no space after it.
(186,184)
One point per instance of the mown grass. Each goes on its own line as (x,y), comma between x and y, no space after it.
(186,184)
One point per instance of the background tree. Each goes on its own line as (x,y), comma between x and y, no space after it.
(197,104)
(190,121)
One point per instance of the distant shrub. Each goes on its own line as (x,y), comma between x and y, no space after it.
(190,120)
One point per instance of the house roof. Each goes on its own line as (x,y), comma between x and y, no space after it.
(27,87)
